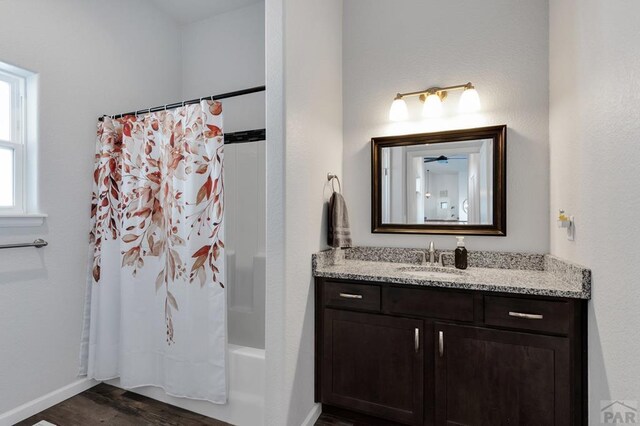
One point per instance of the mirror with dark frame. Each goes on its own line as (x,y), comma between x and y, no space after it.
(451,182)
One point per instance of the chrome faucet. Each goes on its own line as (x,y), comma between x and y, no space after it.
(432,253)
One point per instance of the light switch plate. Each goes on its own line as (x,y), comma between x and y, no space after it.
(571,230)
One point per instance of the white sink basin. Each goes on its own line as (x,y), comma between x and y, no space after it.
(433,272)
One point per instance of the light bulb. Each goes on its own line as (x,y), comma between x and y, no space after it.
(469,101)
(432,106)
(398,111)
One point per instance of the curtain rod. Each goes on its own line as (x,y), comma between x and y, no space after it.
(192,101)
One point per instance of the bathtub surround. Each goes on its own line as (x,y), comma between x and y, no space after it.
(245,173)
(518,273)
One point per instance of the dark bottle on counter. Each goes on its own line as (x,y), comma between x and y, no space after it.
(461,254)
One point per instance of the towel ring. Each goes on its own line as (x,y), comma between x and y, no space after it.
(330,178)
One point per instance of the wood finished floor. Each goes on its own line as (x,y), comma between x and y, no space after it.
(108,405)
(331,420)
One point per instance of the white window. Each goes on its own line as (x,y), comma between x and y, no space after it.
(12,141)
(18,198)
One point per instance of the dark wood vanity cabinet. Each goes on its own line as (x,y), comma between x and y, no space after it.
(496,377)
(374,364)
(424,356)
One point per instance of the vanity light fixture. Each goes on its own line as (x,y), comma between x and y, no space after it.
(432,99)
(432,106)
(469,100)
(398,111)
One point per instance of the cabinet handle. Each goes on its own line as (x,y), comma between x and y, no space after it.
(441,343)
(351,296)
(416,339)
(526,316)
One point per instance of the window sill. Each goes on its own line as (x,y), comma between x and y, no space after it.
(21,220)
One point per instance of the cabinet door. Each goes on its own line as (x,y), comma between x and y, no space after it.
(374,364)
(492,377)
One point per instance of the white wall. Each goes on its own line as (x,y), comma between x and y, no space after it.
(499,45)
(443,182)
(225,53)
(304,118)
(89,64)
(594,134)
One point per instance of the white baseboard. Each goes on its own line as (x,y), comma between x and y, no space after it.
(39,404)
(313,415)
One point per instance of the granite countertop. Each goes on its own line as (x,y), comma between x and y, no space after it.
(520,273)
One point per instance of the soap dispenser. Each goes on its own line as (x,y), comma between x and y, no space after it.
(461,254)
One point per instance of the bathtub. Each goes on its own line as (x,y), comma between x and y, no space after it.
(245,406)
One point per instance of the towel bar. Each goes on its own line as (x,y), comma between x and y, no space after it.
(37,244)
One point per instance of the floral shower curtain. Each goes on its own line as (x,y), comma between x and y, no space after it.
(155,310)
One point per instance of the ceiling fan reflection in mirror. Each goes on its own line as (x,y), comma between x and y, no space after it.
(442,159)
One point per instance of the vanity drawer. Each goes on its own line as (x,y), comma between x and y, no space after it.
(352,296)
(528,314)
(429,303)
